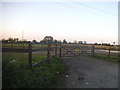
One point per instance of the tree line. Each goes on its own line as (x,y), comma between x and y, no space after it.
(44,41)
(48,39)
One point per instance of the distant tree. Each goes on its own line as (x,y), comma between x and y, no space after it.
(34,41)
(97,44)
(48,39)
(80,42)
(55,41)
(41,42)
(113,43)
(4,41)
(64,41)
(85,42)
(13,40)
(10,39)
(69,42)
(106,44)
(16,39)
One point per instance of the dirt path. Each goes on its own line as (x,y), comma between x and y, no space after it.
(86,72)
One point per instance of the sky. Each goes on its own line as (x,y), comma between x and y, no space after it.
(81,21)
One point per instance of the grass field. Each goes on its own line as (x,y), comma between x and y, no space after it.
(14,45)
(16,72)
(25,46)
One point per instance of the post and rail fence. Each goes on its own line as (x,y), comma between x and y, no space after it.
(29,50)
(59,48)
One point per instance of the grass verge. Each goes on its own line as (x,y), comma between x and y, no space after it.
(107,58)
(18,75)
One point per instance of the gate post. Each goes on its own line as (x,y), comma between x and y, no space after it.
(56,49)
(93,49)
(48,51)
(30,54)
(109,51)
(118,53)
(12,44)
(60,50)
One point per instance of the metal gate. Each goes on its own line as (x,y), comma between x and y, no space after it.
(75,50)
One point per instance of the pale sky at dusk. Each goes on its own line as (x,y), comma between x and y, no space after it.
(81,21)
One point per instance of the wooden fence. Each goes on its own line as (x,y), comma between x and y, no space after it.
(30,49)
(59,49)
(107,50)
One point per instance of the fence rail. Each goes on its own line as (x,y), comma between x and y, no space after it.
(31,49)
(15,50)
(61,50)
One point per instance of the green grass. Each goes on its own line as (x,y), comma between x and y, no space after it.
(37,58)
(107,58)
(18,74)
(35,46)
(25,46)
(14,45)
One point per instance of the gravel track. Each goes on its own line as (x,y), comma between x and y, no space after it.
(87,72)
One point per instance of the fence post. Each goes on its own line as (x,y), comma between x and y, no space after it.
(93,49)
(30,54)
(109,51)
(60,50)
(23,45)
(118,53)
(56,49)
(48,51)
(11,44)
